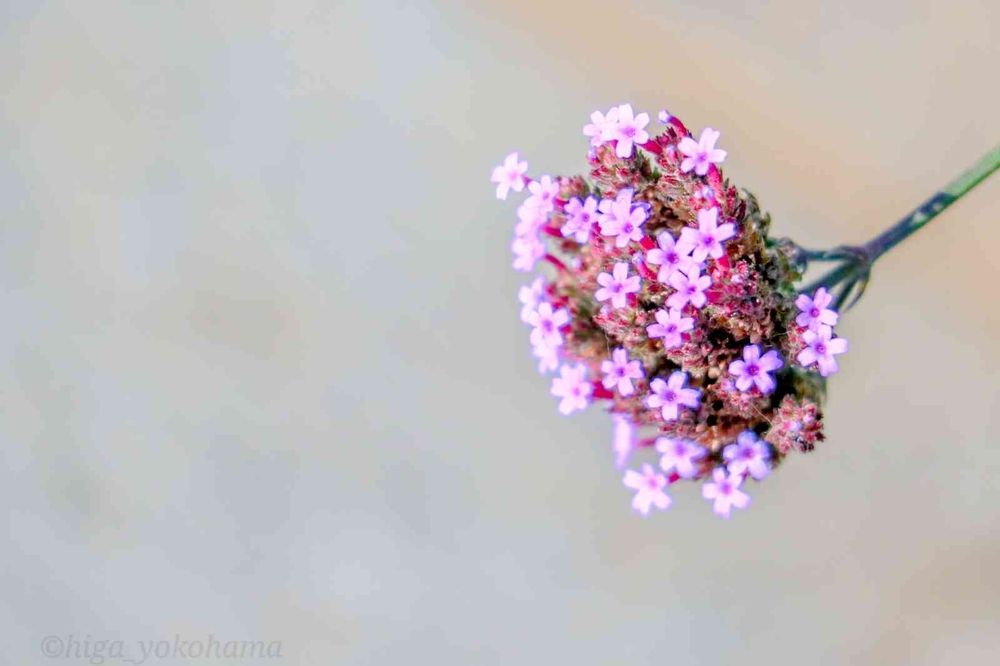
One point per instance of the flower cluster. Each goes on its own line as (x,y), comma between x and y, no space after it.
(667,300)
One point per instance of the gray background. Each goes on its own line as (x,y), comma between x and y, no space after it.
(262,374)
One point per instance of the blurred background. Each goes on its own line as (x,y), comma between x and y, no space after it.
(262,375)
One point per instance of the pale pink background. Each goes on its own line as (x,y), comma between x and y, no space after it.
(262,374)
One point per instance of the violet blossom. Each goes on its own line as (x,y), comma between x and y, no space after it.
(620,371)
(648,486)
(754,369)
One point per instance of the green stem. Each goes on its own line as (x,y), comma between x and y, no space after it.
(853,273)
(934,206)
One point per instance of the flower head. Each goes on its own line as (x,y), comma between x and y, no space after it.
(813,312)
(754,369)
(509,176)
(572,386)
(580,217)
(669,326)
(690,286)
(702,153)
(620,371)
(681,456)
(706,241)
(748,455)
(617,285)
(724,489)
(648,486)
(620,218)
(820,349)
(669,396)
(629,130)
(670,256)
(665,299)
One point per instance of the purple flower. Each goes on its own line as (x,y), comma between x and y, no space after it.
(544,192)
(548,357)
(602,127)
(748,455)
(706,240)
(669,326)
(617,286)
(530,220)
(573,387)
(619,217)
(648,486)
(680,455)
(820,349)
(670,256)
(527,251)
(701,154)
(814,312)
(725,490)
(754,369)
(547,323)
(623,440)
(580,218)
(509,176)
(663,117)
(669,396)
(690,288)
(530,296)
(620,371)
(629,130)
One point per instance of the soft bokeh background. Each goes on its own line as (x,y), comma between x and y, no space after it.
(262,375)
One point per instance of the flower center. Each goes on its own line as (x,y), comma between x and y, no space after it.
(814,312)
(628,132)
(820,348)
(707,239)
(753,369)
(669,396)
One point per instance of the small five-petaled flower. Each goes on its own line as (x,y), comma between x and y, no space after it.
(669,326)
(617,285)
(748,455)
(820,349)
(621,218)
(724,490)
(813,312)
(572,386)
(680,456)
(620,371)
(754,369)
(701,154)
(509,176)
(648,485)
(706,240)
(670,395)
